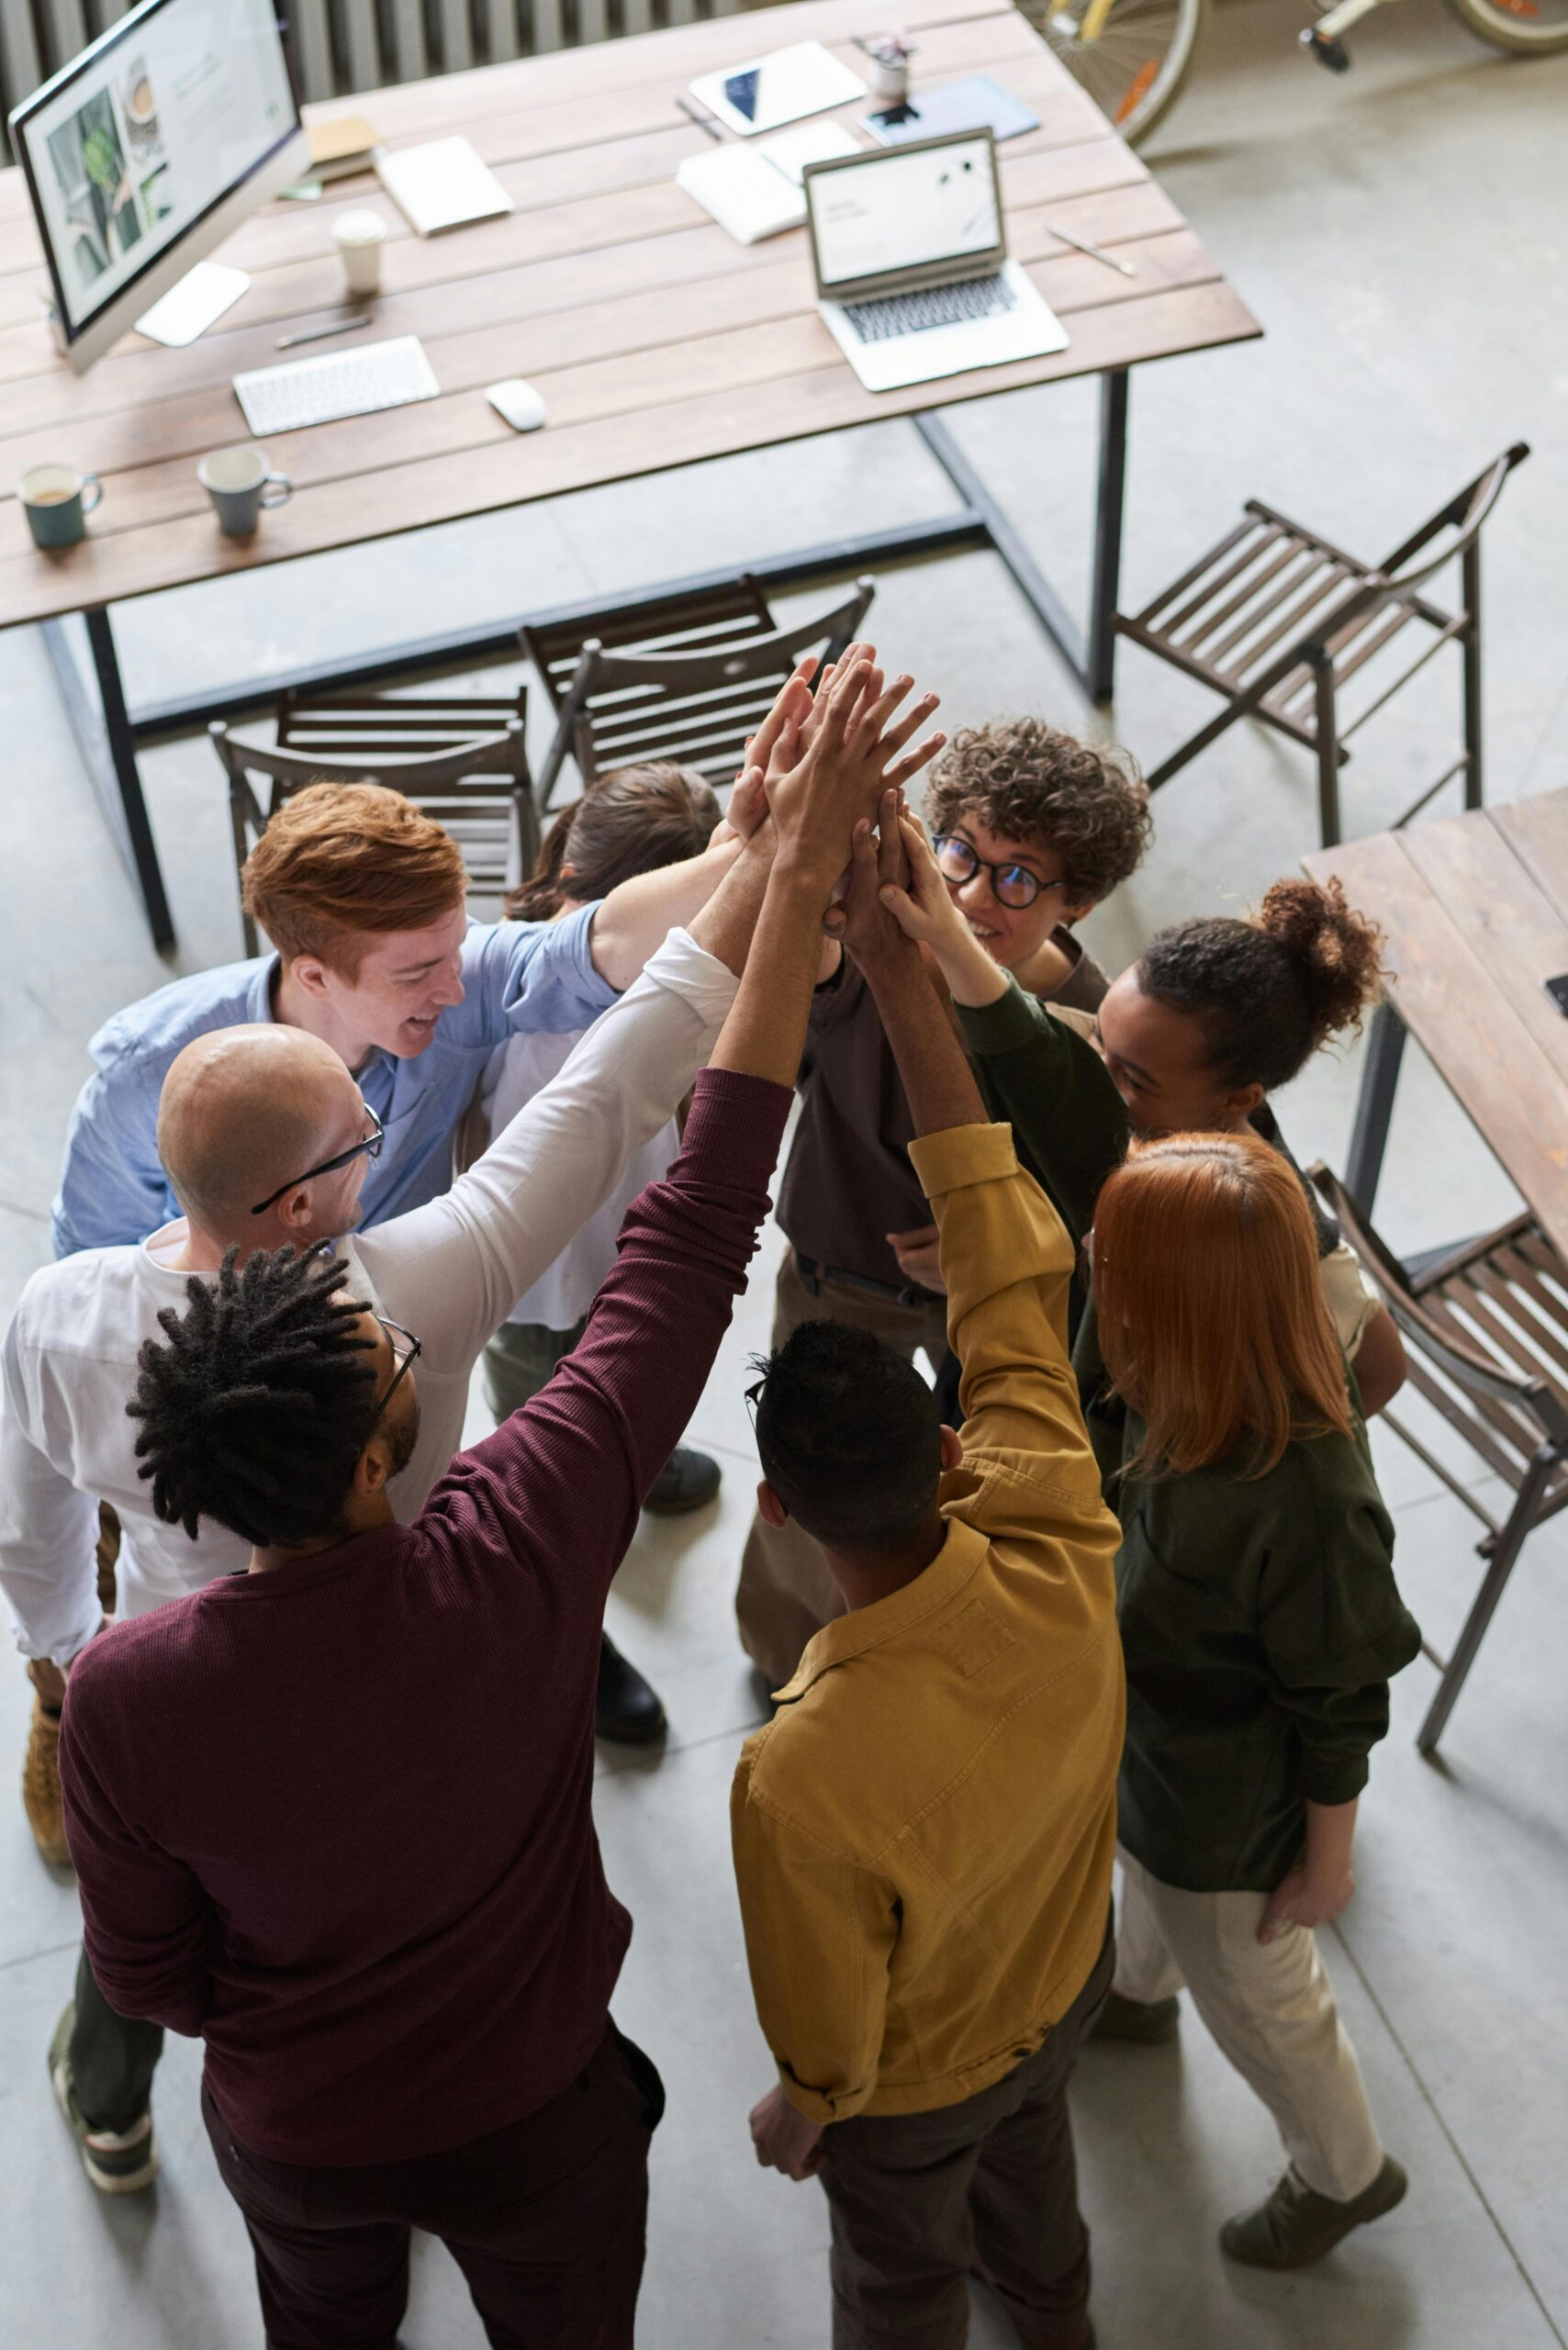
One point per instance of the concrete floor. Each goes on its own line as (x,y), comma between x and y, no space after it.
(1396,235)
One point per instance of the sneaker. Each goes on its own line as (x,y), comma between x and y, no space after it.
(1144,2021)
(687,1480)
(41,1799)
(118,2162)
(1297,2226)
(627,1711)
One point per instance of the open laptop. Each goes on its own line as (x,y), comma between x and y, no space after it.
(910,256)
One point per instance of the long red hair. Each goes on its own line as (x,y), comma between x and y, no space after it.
(1212,1320)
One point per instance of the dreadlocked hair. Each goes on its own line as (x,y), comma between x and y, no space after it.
(256,1411)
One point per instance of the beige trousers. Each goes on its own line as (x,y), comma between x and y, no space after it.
(1270,2009)
(786,1593)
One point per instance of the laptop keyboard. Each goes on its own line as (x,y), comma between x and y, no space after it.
(936,305)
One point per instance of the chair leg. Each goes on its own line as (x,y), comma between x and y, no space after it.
(238,795)
(1510,1542)
(1469,646)
(1327,729)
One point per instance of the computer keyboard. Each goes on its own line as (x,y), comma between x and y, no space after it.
(342,383)
(935,305)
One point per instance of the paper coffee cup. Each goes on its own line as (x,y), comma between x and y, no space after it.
(359,237)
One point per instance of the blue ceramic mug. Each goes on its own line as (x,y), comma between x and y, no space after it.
(57,500)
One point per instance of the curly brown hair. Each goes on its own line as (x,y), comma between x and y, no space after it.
(1272,990)
(1030,782)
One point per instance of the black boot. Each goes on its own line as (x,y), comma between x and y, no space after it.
(628,1711)
(687,1480)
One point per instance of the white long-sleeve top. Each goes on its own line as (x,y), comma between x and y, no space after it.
(449,1271)
(515,1072)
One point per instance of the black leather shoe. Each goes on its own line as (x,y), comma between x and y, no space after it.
(687,1480)
(628,1711)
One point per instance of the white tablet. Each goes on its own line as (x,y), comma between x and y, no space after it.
(771,91)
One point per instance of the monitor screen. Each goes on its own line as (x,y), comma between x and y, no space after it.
(145,133)
(900,210)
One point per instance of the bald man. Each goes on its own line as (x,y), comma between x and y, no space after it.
(265,1137)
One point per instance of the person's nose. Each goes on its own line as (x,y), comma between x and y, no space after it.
(974,896)
(449,990)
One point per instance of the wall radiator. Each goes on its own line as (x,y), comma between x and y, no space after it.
(355,44)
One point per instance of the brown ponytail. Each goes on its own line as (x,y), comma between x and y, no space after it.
(630,820)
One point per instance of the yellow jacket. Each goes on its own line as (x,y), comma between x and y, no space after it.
(923,1836)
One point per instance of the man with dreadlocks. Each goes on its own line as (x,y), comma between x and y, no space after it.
(333,1814)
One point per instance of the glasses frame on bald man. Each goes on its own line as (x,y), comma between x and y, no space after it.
(370,1144)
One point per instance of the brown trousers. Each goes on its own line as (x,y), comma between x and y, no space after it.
(786,1592)
(921,2203)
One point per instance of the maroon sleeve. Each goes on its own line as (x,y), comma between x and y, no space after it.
(146,1921)
(564,1479)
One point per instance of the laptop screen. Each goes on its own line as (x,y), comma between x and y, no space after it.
(902,210)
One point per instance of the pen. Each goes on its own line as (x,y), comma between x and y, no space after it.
(1095,252)
(703,121)
(319,334)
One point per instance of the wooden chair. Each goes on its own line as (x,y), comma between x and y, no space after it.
(1487,1330)
(1278,620)
(462,757)
(684,678)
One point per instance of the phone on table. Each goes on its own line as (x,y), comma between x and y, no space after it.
(1557,989)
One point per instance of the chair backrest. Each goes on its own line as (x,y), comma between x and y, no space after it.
(417,774)
(1477,1374)
(682,621)
(696,707)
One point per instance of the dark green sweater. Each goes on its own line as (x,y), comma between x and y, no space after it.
(1260,1617)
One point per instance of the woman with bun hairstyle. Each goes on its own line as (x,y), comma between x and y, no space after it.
(1260,1617)
(630,820)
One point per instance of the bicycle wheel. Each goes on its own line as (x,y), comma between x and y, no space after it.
(1524,27)
(1131,56)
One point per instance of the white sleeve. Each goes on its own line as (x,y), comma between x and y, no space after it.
(453,1269)
(47,1530)
(1349,1296)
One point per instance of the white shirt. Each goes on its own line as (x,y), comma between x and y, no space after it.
(516,1071)
(449,1271)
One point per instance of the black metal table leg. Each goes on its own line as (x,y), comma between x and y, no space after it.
(1105,582)
(1374,1106)
(108,744)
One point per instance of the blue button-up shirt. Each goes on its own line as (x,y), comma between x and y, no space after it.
(517,976)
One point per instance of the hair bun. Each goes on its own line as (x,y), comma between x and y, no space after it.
(1338,953)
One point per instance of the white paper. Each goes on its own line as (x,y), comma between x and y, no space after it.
(757,192)
(804,79)
(188,308)
(441,184)
(811,142)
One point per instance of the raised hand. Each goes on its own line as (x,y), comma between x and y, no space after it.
(923,907)
(856,750)
(867,926)
(771,751)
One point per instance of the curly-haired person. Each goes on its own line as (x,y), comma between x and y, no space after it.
(1032,830)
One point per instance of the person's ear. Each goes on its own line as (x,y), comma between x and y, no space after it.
(952,1447)
(373,1469)
(293,1213)
(771,1509)
(1244,1100)
(309,972)
(1069,915)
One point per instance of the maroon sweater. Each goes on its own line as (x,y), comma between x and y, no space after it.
(337,1819)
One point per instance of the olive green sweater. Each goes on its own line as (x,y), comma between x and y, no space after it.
(1260,1617)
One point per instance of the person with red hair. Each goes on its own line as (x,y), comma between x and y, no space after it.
(1260,1620)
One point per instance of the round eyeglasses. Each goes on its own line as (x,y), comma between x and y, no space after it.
(1017,886)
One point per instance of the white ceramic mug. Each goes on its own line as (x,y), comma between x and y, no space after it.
(239,484)
(359,237)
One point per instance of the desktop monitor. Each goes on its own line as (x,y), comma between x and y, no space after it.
(150,149)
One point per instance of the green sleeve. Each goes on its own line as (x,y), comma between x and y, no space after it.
(1333,1625)
(1069,1123)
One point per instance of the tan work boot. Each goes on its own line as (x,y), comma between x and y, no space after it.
(1295,2226)
(40,1787)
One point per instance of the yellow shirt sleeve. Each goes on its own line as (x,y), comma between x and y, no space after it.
(820,1932)
(1007,1261)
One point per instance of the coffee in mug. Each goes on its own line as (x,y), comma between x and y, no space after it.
(57,500)
(240,485)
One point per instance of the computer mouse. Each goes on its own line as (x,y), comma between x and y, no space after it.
(519,403)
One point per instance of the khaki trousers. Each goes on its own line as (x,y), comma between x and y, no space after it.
(786,1593)
(921,2202)
(1269,2008)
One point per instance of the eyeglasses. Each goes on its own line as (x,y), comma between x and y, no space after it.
(958,861)
(370,1144)
(403,1360)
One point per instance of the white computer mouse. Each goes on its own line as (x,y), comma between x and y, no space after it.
(519,403)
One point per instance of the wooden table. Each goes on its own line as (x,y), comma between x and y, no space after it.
(656,340)
(1475,909)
